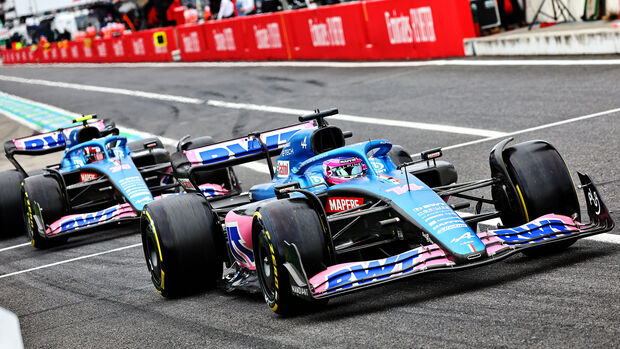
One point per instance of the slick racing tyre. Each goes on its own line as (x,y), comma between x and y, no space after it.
(183,244)
(293,221)
(44,190)
(543,184)
(11,209)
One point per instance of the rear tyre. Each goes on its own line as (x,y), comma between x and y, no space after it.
(182,245)
(293,221)
(543,184)
(45,190)
(11,209)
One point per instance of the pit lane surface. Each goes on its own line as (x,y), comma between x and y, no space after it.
(565,300)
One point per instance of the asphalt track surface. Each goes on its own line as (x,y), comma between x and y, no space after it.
(568,299)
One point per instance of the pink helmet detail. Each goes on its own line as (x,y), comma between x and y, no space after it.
(343,169)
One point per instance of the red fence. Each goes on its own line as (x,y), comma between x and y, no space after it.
(381,29)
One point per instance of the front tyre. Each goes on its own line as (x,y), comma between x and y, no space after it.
(182,244)
(543,185)
(47,192)
(293,221)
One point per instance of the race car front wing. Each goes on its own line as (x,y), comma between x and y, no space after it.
(501,243)
(74,223)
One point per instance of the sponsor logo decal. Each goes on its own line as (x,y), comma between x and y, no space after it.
(120,167)
(238,246)
(243,146)
(316,179)
(378,166)
(42,141)
(117,46)
(403,189)
(283,168)
(302,291)
(330,33)
(416,27)
(138,47)
(86,176)
(336,204)
(101,50)
(287,151)
(267,38)
(134,187)
(186,183)
(390,179)
(53,139)
(467,235)
(224,40)
(371,271)
(191,42)
(87,219)
(537,229)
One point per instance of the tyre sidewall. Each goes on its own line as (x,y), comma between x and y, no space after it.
(11,209)
(48,193)
(189,247)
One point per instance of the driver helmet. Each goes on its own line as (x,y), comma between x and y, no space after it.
(93,154)
(342,169)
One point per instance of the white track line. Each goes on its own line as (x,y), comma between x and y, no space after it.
(266,108)
(536,128)
(13,247)
(605,237)
(69,260)
(328,64)
(118,91)
(362,119)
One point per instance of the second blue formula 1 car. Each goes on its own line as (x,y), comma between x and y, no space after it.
(101,179)
(339,218)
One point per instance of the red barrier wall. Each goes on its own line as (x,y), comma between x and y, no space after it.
(376,29)
(142,45)
(192,42)
(332,32)
(266,37)
(418,28)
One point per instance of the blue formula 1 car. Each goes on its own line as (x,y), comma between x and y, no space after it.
(339,218)
(101,179)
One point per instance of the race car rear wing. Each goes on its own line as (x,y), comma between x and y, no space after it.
(348,277)
(47,142)
(255,146)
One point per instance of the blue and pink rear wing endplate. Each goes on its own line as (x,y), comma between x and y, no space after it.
(51,141)
(243,147)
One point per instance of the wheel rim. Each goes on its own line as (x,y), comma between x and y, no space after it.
(265,268)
